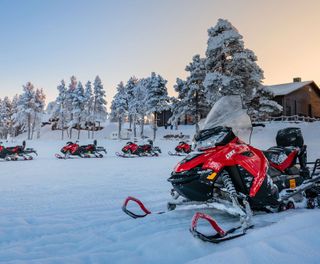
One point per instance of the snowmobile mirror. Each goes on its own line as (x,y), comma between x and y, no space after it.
(95,142)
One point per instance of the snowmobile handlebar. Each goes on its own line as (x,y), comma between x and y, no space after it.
(141,205)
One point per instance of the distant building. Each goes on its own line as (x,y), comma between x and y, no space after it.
(297,98)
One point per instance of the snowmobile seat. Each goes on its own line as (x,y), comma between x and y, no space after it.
(279,154)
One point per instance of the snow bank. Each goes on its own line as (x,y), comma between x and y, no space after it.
(69,211)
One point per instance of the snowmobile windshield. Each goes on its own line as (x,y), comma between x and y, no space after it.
(217,136)
(229,112)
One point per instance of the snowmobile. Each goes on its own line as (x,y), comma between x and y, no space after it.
(132,150)
(182,149)
(85,151)
(228,174)
(19,152)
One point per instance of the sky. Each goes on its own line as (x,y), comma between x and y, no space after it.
(45,41)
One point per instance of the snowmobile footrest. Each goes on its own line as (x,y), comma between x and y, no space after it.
(220,235)
(141,205)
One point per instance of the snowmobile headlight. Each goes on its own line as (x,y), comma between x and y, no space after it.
(212,176)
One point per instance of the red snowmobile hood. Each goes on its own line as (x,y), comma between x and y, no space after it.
(198,158)
(232,154)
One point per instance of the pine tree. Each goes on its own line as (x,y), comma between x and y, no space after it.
(60,108)
(99,104)
(26,106)
(88,106)
(119,106)
(231,69)
(179,105)
(138,105)
(78,106)
(262,106)
(191,93)
(16,127)
(157,99)
(2,118)
(38,111)
(130,87)
(69,103)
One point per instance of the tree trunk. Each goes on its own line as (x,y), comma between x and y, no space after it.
(197,112)
(29,126)
(134,127)
(130,121)
(155,126)
(119,127)
(33,125)
(78,131)
(38,131)
(142,127)
(93,129)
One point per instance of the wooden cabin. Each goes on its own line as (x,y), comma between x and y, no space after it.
(298,98)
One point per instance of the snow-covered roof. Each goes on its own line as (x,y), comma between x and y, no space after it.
(286,88)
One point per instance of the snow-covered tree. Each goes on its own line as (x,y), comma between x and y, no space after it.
(6,117)
(157,99)
(69,103)
(138,106)
(119,106)
(38,111)
(78,106)
(16,127)
(2,119)
(99,103)
(179,104)
(88,106)
(60,108)
(130,87)
(262,105)
(191,93)
(26,108)
(231,68)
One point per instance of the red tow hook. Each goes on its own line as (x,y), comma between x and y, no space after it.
(212,222)
(141,205)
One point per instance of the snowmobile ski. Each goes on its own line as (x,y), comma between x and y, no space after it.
(220,235)
(123,155)
(178,154)
(140,204)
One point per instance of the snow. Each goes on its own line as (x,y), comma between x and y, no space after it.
(69,211)
(286,88)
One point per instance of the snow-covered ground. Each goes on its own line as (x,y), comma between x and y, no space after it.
(69,211)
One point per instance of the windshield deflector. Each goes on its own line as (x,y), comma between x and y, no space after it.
(229,112)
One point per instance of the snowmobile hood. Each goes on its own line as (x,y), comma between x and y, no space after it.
(197,159)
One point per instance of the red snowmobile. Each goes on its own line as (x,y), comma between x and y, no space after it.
(230,175)
(182,149)
(132,150)
(85,151)
(19,152)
